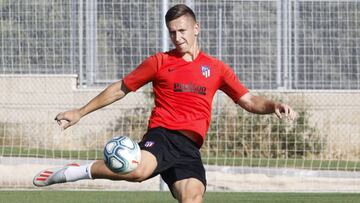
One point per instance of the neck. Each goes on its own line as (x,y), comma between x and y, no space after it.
(191,54)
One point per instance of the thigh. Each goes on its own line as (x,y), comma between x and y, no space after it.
(142,172)
(188,190)
(188,170)
(155,142)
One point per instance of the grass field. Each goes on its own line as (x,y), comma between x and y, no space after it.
(163,197)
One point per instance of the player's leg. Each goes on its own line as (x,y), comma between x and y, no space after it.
(186,177)
(95,170)
(146,168)
(188,190)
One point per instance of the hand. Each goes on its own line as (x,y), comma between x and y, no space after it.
(68,118)
(282,109)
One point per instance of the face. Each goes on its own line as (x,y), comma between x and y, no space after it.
(183,32)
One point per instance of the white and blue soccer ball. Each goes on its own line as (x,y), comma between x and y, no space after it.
(122,154)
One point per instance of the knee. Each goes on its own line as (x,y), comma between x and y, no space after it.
(139,175)
(190,195)
(191,198)
(190,190)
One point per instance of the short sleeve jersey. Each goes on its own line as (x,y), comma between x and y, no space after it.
(184,90)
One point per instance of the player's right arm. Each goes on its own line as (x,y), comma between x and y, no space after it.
(112,93)
(143,74)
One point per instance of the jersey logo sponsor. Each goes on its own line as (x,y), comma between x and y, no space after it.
(205,71)
(190,87)
(149,143)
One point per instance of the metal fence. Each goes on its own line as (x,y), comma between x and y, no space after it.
(270,44)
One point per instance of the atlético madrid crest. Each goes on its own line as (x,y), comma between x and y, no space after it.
(205,70)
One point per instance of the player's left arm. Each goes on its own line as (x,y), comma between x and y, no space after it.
(260,105)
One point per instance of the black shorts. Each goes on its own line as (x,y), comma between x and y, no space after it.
(177,156)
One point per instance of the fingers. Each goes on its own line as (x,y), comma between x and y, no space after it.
(66,125)
(292,114)
(286,111)
(63,121)
(60,117)
(278,113)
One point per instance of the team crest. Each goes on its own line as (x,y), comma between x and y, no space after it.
(149,143)
(205,70)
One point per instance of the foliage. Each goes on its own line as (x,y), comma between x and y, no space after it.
(262,136)
(9,134)
(132,122)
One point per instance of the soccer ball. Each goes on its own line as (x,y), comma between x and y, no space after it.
(122,154)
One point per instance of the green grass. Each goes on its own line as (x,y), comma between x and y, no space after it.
(163,197)
(240,161)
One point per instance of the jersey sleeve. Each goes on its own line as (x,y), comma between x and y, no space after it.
(231,84)
(143,74)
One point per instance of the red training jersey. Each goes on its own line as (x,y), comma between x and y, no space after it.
(184,90)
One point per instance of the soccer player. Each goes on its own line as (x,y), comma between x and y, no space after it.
(184,80)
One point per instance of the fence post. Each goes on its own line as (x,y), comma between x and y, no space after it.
(91,24)
(80,38)
(165,47)
(278,42)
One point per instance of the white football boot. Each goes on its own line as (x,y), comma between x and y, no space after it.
(51,176)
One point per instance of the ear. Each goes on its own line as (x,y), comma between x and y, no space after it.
(197,29)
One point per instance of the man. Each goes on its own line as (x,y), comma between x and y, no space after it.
(184,80)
